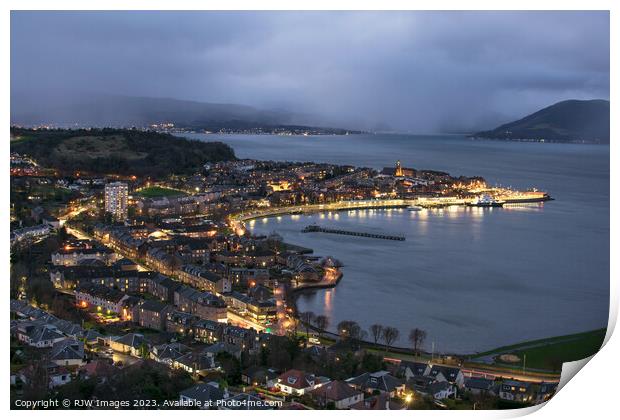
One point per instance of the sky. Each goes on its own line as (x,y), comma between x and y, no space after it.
(421,72)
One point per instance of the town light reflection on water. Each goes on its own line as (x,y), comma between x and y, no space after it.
(328,301)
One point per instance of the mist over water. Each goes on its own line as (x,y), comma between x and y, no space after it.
(473,278)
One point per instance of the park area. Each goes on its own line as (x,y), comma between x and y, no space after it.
(548,354)
(156,191)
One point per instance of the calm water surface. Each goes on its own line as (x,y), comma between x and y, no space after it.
(472,278)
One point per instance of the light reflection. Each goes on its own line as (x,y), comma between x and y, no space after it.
(328,301)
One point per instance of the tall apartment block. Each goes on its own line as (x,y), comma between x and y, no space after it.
(116,200)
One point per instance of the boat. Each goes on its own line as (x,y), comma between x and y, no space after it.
(485,200)
(414,208)
(528,197)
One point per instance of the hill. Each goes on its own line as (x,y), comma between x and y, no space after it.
(117,151)
(97,110)
(566,121)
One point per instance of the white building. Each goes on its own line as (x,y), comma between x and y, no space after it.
(116,200)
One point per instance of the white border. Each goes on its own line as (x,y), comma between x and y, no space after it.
(590,394)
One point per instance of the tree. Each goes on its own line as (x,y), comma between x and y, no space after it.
(417,337)
(349,330)
(390,335)
(376,330)
(144,351)
(321,322)
(307,318)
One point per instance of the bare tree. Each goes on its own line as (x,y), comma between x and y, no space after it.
(349,330)
(376,330)
(390,335)
(417,337)
(321,322)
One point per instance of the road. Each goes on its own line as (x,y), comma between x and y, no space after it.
(244,322)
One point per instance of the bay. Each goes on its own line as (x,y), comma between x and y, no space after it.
(472,278)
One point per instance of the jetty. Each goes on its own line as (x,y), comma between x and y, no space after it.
(317,228)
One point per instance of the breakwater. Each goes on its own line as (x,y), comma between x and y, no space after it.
(316,228)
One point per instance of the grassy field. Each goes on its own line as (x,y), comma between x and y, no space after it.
(98,147)
(155,191)
(544,355)
(550,353)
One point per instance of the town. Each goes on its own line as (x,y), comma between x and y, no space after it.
(155,287)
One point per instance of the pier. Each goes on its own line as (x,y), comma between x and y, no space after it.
(317,228)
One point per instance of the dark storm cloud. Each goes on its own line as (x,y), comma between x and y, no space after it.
(419,71)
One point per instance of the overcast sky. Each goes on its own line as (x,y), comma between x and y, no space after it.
(417,71)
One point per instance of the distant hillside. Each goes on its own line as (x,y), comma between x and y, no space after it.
(128,111)
(567,121)
(117,151)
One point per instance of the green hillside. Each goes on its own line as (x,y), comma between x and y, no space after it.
(117,151)
(572,121)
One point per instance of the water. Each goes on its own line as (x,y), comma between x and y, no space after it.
(474,279)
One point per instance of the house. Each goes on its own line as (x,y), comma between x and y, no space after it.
(441,390)
(130,308)
(515,391)
(380,381)
(207,331)
(168,353)
(297,382)
(259,376)
(75,255)
(242,276)
(222,347)
(57,375)
(163,287)
(153,314)
(195,363)
(340,393)
(128,281)
(180,322)
(100,297)
(205,396)
(92,337)
(205,305)
(545,391)
(480,386)
(243,337)
(68,328)
(38,334)
(203,279)
(411,369)
(160,260)
(68,352)
(450,374)
(262,310)
(378,402)
(131,343)
(100,369)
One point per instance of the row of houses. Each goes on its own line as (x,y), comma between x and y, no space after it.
(260,310)
(442,381)
(75,252)
(152,313)
(377,390)
(31,233)
(125,278)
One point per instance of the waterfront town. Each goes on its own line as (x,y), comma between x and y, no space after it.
(154,287)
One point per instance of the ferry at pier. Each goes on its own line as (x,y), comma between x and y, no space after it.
(486,200)
(415,208)
(525,197)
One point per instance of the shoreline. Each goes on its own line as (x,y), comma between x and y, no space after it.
(426,203)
